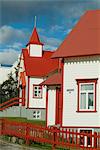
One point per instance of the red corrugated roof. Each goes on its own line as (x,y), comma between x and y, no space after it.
(39,66)
(55,79)
(84,39)
(34,39)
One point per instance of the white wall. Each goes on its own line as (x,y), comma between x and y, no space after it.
(79,69)
(51,110)
(35,102)
(35,50)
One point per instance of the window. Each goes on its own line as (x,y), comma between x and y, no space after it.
(37,114)
(87,95)
(37,91)
(86,140)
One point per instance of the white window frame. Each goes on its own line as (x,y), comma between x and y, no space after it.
(86,92)
(36,114)
(37,90)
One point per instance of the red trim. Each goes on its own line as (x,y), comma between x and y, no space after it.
(46,107)
(95,139)
(57,107)
(41,91)
(34,108)
(35,43)
(62,72)
(88,55)
(80,127)
(86,111)
(86,81)
(23,95)
(29,49)
(95,93)
(78,99)
(28,91)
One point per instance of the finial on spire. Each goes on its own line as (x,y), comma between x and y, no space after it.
(35,21)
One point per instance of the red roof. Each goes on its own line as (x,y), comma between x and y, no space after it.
(39,66)
(34,39)
(55,79)
(84,39)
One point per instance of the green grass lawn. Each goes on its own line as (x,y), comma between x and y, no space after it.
(18,119)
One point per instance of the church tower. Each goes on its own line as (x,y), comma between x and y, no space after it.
(34,45)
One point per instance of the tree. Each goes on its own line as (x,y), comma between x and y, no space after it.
(8,89)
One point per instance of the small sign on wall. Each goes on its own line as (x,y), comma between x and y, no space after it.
(70,90)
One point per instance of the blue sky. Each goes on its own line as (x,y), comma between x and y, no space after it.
(55,19)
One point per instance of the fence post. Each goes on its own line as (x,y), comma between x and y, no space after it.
(2,127)
(95,139)
(98,144)
(27,134)
(54,138)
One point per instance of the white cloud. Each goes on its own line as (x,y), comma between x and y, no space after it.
(8,56)
(15,45)
(56,28)
(11,40)
(41,30)
(50,43)
(66,32)
(10,35)
(49,47)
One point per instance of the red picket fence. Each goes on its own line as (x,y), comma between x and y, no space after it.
(56,137)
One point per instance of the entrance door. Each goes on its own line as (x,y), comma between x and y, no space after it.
(58,106)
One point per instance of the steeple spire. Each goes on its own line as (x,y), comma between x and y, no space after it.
(34,46)
(34,39)
(35,22)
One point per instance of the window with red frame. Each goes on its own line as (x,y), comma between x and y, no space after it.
(37,91)
(87,95)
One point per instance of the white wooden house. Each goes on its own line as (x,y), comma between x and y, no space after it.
(35,65)
(75,103)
